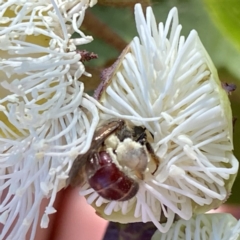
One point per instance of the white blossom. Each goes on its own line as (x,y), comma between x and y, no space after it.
(219,226)
(164,76)
(45,119)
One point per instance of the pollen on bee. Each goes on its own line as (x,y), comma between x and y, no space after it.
(112,141)
(132,154)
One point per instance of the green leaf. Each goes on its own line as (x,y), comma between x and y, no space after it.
(226,15)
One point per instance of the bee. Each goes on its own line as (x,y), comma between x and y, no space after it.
(116,160)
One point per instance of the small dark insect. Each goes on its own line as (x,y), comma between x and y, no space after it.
(87,56)
(229,87)
(131,149)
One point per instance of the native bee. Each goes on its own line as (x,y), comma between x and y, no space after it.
(116,161)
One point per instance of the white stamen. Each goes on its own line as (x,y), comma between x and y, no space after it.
(167,76)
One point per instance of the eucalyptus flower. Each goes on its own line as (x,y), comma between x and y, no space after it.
(164,76)
(218,226)
(45,119)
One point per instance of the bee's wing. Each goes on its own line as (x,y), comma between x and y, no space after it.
(76,174)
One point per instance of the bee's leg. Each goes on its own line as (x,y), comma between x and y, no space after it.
(142,138)
(153,156)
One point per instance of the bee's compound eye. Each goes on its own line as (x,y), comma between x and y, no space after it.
(108,180)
